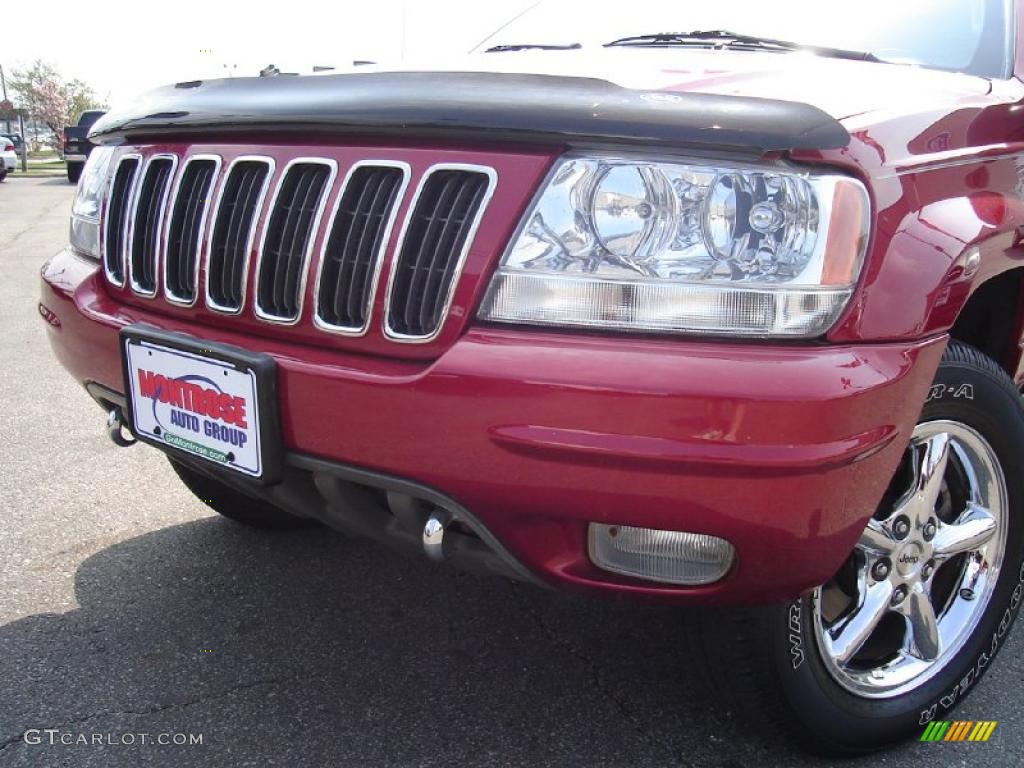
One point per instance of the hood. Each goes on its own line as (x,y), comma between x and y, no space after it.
(840,87)
(756,101)
(472,106)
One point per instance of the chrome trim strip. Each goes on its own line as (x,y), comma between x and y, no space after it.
(318,321)
(201,235)
(492,176)
(129,201)
(157,255)
(332,165)
(256,222)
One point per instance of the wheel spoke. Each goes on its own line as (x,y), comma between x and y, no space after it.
(924,627)
(972,531)
(849,635)
(876,538)
(930,474)
(943,524)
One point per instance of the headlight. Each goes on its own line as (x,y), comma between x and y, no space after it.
(85,213)
(668,247)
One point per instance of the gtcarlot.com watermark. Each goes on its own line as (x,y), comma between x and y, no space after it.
(57,737)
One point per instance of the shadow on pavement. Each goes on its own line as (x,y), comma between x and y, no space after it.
(311,649)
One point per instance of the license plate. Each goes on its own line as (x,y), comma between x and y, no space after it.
(205,400)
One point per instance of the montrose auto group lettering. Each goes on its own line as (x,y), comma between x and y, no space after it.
(224,415)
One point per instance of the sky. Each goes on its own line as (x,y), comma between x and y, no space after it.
(124,48)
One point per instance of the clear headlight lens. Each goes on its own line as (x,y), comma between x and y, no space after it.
(668,247)
(85,212)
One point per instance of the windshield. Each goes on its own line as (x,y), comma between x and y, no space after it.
(971,36)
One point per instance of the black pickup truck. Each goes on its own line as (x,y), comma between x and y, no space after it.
(76,143)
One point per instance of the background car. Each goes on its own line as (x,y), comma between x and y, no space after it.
(8,158)
(18,142)
(77,145)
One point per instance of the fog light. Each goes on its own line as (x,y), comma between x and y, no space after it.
(672,557)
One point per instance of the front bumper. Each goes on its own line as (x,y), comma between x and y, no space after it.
(784,451)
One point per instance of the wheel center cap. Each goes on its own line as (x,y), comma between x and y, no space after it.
(910,558)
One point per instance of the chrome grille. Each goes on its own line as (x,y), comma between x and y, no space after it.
(284,254)
(118,207)
(437,236)
(155,226)
(233,230)
(185,230)
(149,208)
(355,249)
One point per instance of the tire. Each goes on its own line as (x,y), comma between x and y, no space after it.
(3,174)
(74,172)
(235,505)
(791,668)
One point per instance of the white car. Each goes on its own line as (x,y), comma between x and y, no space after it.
(8,158)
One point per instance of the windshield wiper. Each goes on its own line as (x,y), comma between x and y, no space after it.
(721,39)
(533,47)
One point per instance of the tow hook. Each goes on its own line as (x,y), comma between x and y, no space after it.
(433,534)
(117,430)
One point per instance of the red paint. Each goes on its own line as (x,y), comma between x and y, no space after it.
(784,450)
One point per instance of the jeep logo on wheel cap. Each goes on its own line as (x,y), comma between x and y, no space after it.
(909,558)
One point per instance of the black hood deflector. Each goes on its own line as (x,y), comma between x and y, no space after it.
(474,106)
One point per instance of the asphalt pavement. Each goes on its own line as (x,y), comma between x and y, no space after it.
(126,608)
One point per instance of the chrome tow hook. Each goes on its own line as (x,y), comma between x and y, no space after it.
(433,534)
(117,430)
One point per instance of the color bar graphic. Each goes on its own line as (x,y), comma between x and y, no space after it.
(959,730)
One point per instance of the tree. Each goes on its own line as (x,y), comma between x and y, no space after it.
(47,98)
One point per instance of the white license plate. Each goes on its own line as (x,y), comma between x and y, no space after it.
(195,403)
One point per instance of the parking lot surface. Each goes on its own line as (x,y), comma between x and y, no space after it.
(126,608)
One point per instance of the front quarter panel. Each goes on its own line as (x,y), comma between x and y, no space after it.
(943,183)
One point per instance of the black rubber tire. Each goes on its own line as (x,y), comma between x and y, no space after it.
(3,174)
(766,663)
(236,505)
(75,172)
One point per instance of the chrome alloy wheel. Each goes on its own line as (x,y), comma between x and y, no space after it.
(924,570)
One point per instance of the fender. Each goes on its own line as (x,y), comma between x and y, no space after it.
(932,252)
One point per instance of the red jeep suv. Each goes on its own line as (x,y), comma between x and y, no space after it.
(715,305)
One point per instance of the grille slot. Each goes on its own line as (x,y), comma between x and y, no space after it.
(437,237)
(149,207)
(117,218)
(288,238)
(352,256)
(185,230)
(233,230)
